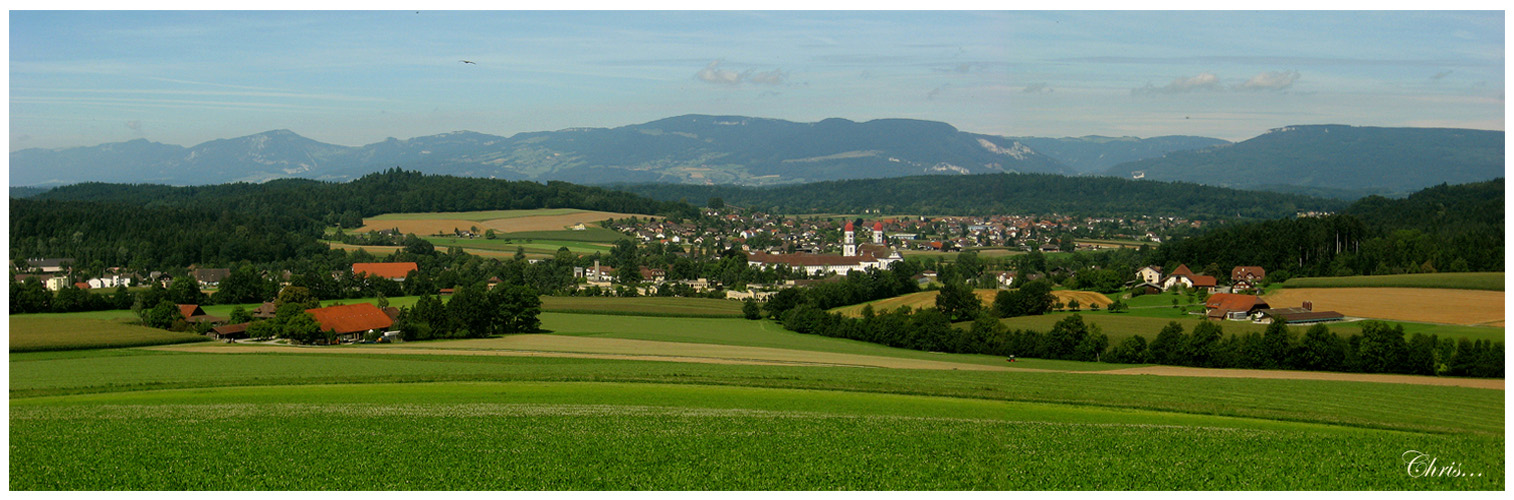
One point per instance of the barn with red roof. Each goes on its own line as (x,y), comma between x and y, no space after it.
(351,321)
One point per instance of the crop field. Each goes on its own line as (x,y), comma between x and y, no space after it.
(1468,281)
(506,221)
(497,247)
(1428,305)
(51,333)
(612,402)
(1119,326)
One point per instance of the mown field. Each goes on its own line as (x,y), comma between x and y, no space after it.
(361,417)
(1429,305)
(1467,281)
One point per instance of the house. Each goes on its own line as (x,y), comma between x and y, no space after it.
(111,281)
(1232,306)
(194,314)
(351,321)
(1247,274)
(54,265)
(1185,277)
(391,270)
(211,276)
(56,283)
(1296,315)
(1150,274)
(1005,279)
(1143,288)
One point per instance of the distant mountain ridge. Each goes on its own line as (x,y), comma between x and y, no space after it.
(693,149)
(1335,157)
(1095,154)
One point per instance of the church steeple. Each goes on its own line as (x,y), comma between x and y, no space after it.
(849,243)
(878,233)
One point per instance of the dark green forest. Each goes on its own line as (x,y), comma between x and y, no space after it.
(989,194)
(154,226)
(1443,228)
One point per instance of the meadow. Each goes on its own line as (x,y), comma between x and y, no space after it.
(1466,281)
(41,333)
(384,417)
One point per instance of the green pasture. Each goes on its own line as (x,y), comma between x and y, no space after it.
(477,216)
(591,234)
(1468,281)
(601,436)
(539,247)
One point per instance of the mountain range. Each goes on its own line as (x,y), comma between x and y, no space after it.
(1330,160)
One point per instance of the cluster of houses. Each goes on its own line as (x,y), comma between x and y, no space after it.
(1224,304)
(759,232)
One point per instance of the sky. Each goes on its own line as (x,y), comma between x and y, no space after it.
(82,78)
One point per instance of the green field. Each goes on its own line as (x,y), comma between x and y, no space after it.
(645,306)
(535,246)
(39,332)
(1467,281)
(358,417)
(478,216)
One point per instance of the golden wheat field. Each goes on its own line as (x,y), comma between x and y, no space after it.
(1426,305)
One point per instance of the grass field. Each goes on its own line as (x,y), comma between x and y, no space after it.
(1429,305)
(645,306)
(1467,281)
(43,333)
(447,415)
(505,221)
(534,246)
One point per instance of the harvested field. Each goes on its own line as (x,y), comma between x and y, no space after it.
(1426,305)
(1185,371)
(1084,298)
(508,221)
(919,300)
(614,348)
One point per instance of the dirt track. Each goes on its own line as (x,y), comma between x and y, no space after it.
(1184,371)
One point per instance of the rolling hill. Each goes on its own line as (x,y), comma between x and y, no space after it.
(1388,161)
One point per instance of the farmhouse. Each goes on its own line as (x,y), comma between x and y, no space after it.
(1150,274)
(1185,277)
(1246,277)
(351,321)
(1232,306)
(211,276)
(265,311)
(236,331)
(392,270)
(853,257)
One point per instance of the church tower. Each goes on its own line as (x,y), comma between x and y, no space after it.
(849,244)
(878,233)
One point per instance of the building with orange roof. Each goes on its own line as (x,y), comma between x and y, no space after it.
(351,321)
(392,270)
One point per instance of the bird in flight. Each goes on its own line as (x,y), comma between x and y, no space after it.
(467,61)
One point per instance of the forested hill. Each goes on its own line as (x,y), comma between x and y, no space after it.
(384,192)
(1003,194)
(1336,157)
(1443,228)
(152,227)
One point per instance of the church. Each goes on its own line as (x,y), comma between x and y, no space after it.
(853,257)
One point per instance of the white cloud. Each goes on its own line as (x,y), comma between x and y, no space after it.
(1271,80)
(1196,83)
(774,77)
(720,76)
(713,74)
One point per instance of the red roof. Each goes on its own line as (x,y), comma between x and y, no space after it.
(877,226)
(190,310)
(391,270)
(81,285)
(1220,303)
(351,318)
(1246,273)
(848,226)
(1200,281)
(1182,270)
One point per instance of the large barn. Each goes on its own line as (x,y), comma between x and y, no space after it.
(351,321)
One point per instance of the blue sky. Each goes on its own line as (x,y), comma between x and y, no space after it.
(82,78)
